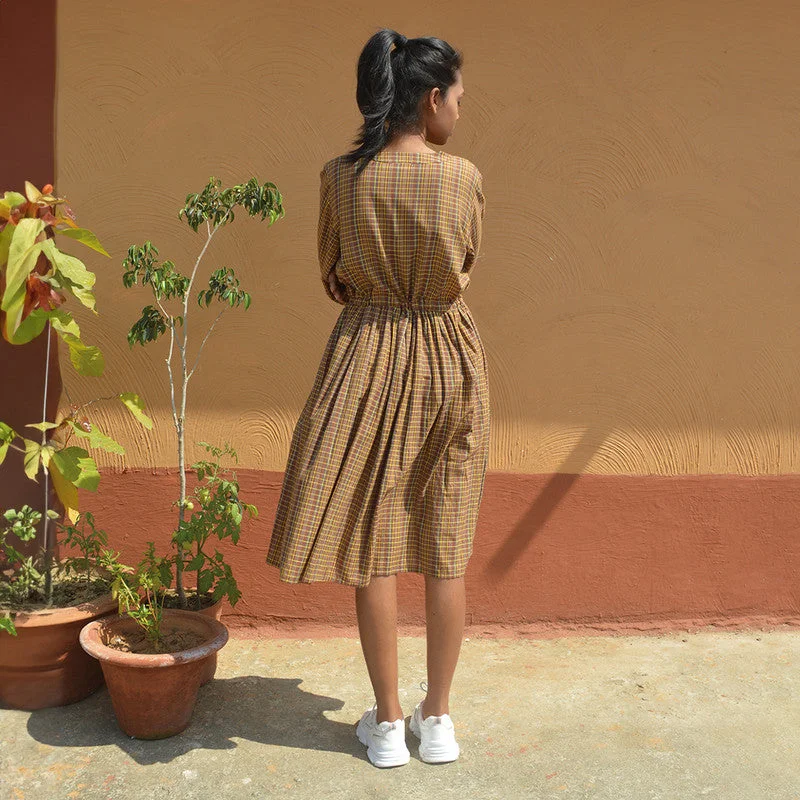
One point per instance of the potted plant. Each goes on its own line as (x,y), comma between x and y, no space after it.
(153,659)
(41,662)
(214,509)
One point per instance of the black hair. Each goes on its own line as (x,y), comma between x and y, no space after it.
(393,75)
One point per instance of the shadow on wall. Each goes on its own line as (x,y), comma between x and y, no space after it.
(267,710)
(543,507)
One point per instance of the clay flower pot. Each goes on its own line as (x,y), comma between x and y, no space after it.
(210,669)
(44,665)
(154,695)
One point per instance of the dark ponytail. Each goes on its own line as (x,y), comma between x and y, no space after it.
(393,75)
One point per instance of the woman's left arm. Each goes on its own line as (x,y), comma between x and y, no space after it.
(328,240)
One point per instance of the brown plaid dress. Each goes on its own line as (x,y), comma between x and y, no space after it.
(386,467)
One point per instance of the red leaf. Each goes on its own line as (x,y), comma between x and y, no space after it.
(40,294)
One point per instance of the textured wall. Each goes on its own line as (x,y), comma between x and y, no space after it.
(26,117)
(642,172)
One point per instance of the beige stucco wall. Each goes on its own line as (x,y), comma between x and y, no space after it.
(637,293)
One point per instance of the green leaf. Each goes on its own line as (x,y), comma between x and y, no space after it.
(204,581)
(33,452)
(63,322)
(7,624)
(85,296)
(77,467)
(135,405)
(87,359)
(14,199)
(31,326)
(42,426)
(22,255)
(64,488)
(71,268)
(5,242)
(7,435)
(85,237)
(98,439)
(195,563)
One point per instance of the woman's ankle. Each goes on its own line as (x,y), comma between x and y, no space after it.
(390,712)
(434,707)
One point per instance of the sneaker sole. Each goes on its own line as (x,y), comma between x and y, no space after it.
(377,761)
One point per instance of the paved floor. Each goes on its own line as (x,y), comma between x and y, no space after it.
(674,717)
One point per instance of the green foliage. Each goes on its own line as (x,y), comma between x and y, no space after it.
(215,205)
(217,511)
(224,285)
(37,276)
(148,327)
(24,581)
(140,592)
(141,266)
(84,536)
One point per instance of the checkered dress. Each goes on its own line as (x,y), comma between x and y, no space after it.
(386,466)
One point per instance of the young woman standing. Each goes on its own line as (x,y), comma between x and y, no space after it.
(387,463)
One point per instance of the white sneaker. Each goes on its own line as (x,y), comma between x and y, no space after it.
(385,741)
(437,737)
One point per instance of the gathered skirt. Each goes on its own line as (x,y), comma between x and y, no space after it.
(387,462)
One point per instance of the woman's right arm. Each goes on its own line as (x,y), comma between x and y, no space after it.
(474,231)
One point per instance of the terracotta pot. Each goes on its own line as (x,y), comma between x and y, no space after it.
(44,665)
(210,668)
(154,695)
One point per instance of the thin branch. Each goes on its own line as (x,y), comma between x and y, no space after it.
(203,343)
(169,370)
(75,409)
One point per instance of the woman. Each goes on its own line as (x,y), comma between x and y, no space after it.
(387,463)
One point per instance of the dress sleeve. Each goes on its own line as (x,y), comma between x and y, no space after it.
(327,231)
(474,230)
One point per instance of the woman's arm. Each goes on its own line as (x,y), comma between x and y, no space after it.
(474,232)
(328,240)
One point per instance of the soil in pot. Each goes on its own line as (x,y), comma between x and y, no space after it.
(137,642)
(209,608)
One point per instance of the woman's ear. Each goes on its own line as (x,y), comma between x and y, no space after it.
(434,99)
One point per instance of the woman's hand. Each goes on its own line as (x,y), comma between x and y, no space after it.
(338,289)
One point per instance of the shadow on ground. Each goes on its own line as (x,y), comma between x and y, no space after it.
(273,711)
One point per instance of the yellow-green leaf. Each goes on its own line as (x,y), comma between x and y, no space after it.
(71,268)
(32,458)
(87,359)
(22,254)
(42,426)
(66,491)
(98,439)
(31,192)
(31,326)
(85,237)
(77,467)
(13,199)
(135,405)
(5,242)
(63,322)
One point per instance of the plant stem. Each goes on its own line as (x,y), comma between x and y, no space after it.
(48,550)
(180,419)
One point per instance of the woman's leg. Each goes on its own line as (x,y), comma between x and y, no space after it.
(445,609)
(376,609)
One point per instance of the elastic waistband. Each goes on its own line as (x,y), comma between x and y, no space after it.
(400,306)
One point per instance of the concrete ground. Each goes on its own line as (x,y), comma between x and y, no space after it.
(669,717)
